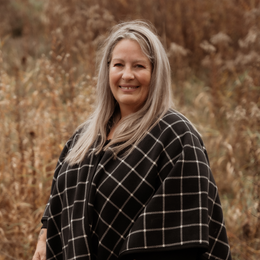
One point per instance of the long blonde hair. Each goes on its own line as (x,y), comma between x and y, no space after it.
(132,128)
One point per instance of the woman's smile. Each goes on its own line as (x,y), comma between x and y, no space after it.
(128,87)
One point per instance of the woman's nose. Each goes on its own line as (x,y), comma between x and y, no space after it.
(127,74)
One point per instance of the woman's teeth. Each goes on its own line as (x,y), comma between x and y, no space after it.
(128,87)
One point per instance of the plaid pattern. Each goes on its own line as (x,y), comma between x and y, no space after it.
(161,197)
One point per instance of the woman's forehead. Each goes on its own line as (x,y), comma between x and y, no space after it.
(126,48)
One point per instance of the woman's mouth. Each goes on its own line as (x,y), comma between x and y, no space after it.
(128,87)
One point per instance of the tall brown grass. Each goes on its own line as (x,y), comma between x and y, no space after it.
(48,55)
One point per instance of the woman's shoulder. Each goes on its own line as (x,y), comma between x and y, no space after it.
(173,125)
(75,136)
(176,120)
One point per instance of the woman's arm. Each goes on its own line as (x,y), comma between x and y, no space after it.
(40,252)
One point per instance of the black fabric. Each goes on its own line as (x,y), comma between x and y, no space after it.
(187,254)
(44,224)
(161,197)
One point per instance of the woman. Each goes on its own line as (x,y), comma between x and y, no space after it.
(134,181)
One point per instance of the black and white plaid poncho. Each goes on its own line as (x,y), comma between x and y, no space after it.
(161,197)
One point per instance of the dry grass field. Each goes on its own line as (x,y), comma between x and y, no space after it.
(48,51)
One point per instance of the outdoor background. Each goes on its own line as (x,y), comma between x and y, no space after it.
(48,51)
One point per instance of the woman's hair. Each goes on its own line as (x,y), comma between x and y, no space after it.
(132,128)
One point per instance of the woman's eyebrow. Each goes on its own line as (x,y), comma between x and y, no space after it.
(134,61)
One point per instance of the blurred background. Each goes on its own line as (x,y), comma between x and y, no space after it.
(48,51)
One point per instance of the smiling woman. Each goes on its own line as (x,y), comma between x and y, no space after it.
(134,181)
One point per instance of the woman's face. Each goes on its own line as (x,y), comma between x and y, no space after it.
(129,76)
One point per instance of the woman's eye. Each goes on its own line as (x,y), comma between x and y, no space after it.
(139,66)
(118,65)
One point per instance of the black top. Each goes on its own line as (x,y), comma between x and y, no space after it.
(187,254)
(160,198)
